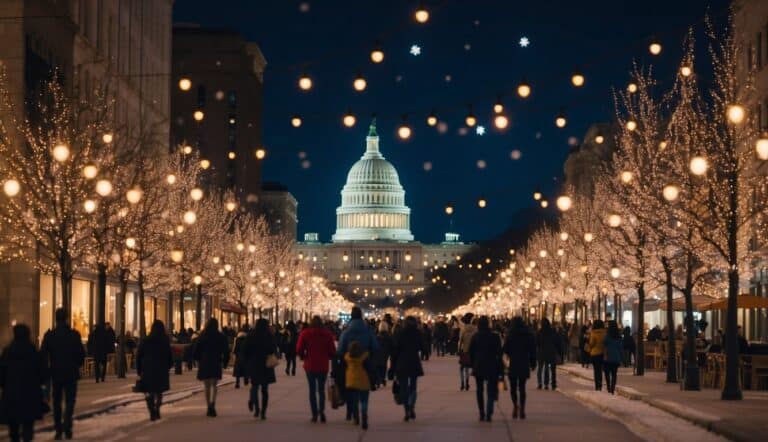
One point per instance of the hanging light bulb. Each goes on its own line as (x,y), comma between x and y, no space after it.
(170,179)
(134,195)
(501,121)
(686,71)
(198,115)
(736,113)
(670,192)
(231,155)
(626,177)
(537,195)
(470,120)
(305,82)
(196,194)
(296,121)
(614,220)
(260,153)
(130,242)
(632,88)
(421,15)
(761,147)
(523,90)
(107,138)
(89,206)
(60,152)
(631,125)
(189,217)
(359,84)
(560,121)
(481,203)
(186,150)
(599,139)
(498,107)
(103,187)
(90,171)
(404,131)
(205,164)
(377,55)
(349,119)
(577,79)
(589,237)
(655,48)
(185,84)
(231,206)
(564,203)
(699,165)
(432,119)
(615,272)
(544,204)
(449,209)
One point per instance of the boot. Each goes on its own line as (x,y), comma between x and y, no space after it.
(364,425)
(514,410)
(264,407)
(407,414)
(213,409)
(522,411)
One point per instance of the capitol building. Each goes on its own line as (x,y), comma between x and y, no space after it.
(373,253)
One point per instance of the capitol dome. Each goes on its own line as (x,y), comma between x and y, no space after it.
(373,201)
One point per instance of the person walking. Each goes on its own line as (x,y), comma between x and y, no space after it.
(382,357)
(629,346)
(63,352)
(154,359)
(485,354)
(259,345)
(613,352)
(316,348)
(358,383)
(426,341)
(441,336)
(520,348)
(288,342)
(356,330)
(596,346)
(549,349)
(239,368)
(212,355)
(22,374)
(466,333)
(99,346)
(406,364)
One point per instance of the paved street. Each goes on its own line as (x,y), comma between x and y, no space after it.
(444,414)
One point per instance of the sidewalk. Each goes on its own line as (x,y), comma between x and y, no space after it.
(93,398)
(743,420)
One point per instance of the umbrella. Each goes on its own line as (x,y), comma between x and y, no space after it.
(743,301)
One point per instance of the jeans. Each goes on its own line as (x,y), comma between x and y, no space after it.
(464,375)
(611,369)
(549,371)
(69,392)
(317,392)
(485,404)
(100,369)
(408,391)
(597,368)
(440,347)
(27,431)
(517,389)
(359,400)
(255,396)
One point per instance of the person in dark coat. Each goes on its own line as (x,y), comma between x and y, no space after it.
(521,350)
(316,348)
(212,355)
(406,364)
(153,361)
(99,346)
(426,342)
(239,368)
(288,341)
(549,349)
(63,352)
(485,354)
(441,337)
(259,345)
(22,374)
(381,358)
(629,346)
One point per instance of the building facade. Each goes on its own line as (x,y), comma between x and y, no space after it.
(373,256)
(225,75)
(279,207)
(123,47)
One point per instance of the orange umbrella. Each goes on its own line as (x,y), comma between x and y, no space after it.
(743,301)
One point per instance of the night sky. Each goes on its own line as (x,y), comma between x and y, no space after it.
(476,43)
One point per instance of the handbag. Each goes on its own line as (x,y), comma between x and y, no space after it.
(334,395)
(272,361)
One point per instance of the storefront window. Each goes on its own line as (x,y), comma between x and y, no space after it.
(46,304)
(162,311)
(81,307)
(109,310)
(148,313)
(130,313)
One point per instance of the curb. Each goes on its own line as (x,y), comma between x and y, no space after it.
(709,425)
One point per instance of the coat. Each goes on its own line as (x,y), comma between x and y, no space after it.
(99,344)
(316,348)
(521,350)
(239,368)
(63,353)
(485,354)
(356,375)
(257,348)
(212,355)
(288,341)
(357,330)
(153,362)
(465,337)
(549,345)
(22,372)
(406,360)
(596,343)
(613,350)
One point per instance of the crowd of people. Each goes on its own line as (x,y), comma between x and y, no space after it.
(346,362)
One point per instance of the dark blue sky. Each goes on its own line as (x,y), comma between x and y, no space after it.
(332,42)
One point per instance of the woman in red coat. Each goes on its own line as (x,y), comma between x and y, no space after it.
(316,348)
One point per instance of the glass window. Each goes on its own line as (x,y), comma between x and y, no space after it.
(130,313)
(149,313)
(162,311)
(81,307)
(46,304)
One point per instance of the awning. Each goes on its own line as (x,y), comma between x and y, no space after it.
(700,302)
(232,308)
(743,301)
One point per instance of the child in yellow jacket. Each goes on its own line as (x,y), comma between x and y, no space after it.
(357,382)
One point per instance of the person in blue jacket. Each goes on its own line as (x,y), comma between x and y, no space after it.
(357,330)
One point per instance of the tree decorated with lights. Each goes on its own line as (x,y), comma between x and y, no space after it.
(48,177)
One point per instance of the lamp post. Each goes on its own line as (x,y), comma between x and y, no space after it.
(198,280)
(177,256)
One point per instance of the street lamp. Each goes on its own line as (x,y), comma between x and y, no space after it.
(197,279)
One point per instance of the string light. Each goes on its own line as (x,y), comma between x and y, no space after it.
(103,187)
(89,206)
(11,187)
(198,115)
(196,194)
(523,90)
(90,171)
(432,119)
(134,195)
(377,55)
(655,48)
(421,15)
(404,131)
(359,83)
(170,179)
(670,192)
(260,154)
(577,80)
(349,119)
(736,113)
(189,217)
(107,138)
(305,83)
(761,147)
(60,152)
(560,121)
(185,84)
(698,165)
(296,121)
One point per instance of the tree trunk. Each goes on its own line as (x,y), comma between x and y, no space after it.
(199,307)
(181,309)
(120,319)
(671,350)
(101,294)
(65,276)
(142,313)
(575,312)
(731,388)
(640,358)
(691,364)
